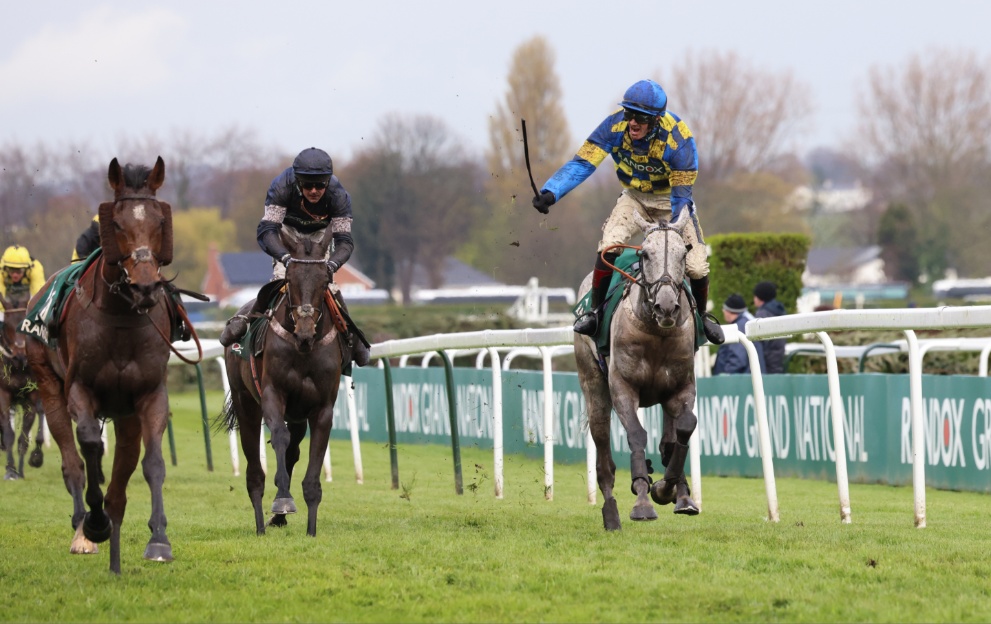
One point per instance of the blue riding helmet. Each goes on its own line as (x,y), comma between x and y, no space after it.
(645,96)
(313,162)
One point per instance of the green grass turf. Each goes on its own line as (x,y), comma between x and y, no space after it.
(423,553)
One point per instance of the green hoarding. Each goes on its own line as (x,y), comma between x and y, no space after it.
(877,417)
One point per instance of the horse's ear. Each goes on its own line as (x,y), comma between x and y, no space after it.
(165,252)
(157,175)
(108,238)
(114,175)
(642,223)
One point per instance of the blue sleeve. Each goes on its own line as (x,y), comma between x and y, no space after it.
(684,169)
(573,173)
(590,155)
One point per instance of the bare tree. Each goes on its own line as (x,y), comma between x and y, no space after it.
(929,120)
(742,117)
(515,243)
(927,126)
(534,93)
(416,194)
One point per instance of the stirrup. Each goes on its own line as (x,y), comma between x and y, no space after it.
(713,332)
(587,324)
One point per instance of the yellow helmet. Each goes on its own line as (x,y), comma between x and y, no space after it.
(16,257)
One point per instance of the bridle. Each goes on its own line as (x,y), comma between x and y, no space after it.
(652,289)
(142,254)
(305,310)
(299,312)
(119,287)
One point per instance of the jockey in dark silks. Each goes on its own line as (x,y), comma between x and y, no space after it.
(88,241)
(657,163)
(306,199)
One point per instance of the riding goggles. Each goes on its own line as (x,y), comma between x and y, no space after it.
(640,118)
(309,185)
(309,182)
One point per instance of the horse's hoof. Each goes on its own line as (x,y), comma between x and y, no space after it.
(686,506)
(81,545)
(643,512)
(278,521)
(158,552)
(12,475)
(36,459)
(96,533)
(283,506)
(662,493)
(610,515)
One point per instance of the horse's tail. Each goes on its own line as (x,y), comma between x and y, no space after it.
(226,420)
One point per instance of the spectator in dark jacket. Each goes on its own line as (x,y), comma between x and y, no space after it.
(732,357)
(765,300)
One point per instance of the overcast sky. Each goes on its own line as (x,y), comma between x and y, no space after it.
(324,73)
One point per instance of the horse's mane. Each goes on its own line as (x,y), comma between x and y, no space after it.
(135,176)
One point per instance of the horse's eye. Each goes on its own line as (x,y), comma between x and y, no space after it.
(118,226)
(644,255)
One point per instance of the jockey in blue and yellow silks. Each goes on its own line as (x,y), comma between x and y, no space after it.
(657,164)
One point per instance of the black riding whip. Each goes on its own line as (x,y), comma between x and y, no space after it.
(526,156)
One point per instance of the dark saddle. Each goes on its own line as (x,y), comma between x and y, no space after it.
(628,261)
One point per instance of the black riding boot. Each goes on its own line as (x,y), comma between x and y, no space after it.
(237,325)
(588,324)
(360,353)
(700,291)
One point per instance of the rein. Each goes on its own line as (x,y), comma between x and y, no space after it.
(117,288)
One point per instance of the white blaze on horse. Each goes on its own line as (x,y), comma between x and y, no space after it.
(651,362)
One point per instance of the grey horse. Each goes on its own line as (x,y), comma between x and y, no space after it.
(652,361)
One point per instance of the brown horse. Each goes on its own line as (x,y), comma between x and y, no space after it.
(110,364)
(17,388)
(652,362)
(291,384)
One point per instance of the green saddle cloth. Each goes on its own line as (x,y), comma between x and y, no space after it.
(628,261)
(251,343)
(42,320)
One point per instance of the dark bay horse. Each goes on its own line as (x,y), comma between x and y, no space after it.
(110,364)
(292,384)
(652,361)
(18,388)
